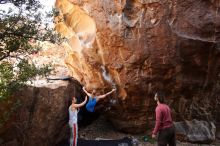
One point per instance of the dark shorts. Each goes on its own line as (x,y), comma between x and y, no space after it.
(167,136)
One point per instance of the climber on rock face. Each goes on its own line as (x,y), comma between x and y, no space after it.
(93,99)
(73,111)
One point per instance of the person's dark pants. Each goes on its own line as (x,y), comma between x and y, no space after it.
(167,136)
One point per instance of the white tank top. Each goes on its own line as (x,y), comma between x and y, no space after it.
(72,116)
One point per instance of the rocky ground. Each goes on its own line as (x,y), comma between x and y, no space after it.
(102,129)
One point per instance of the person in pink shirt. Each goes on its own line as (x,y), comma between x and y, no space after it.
(164,125)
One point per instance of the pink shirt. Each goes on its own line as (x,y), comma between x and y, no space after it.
(163,118)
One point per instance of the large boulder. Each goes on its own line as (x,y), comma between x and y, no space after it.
(147,45)
(38,114)
(195,131)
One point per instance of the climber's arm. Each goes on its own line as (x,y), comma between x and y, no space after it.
(105,95)
(81,104)
(89,94)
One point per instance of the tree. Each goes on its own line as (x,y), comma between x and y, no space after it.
(19,32)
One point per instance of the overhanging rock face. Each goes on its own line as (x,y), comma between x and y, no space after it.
(142,46)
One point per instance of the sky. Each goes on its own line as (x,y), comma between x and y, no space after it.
(47,7)
(48,4)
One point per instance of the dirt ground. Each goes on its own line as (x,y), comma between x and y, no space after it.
(102,129)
